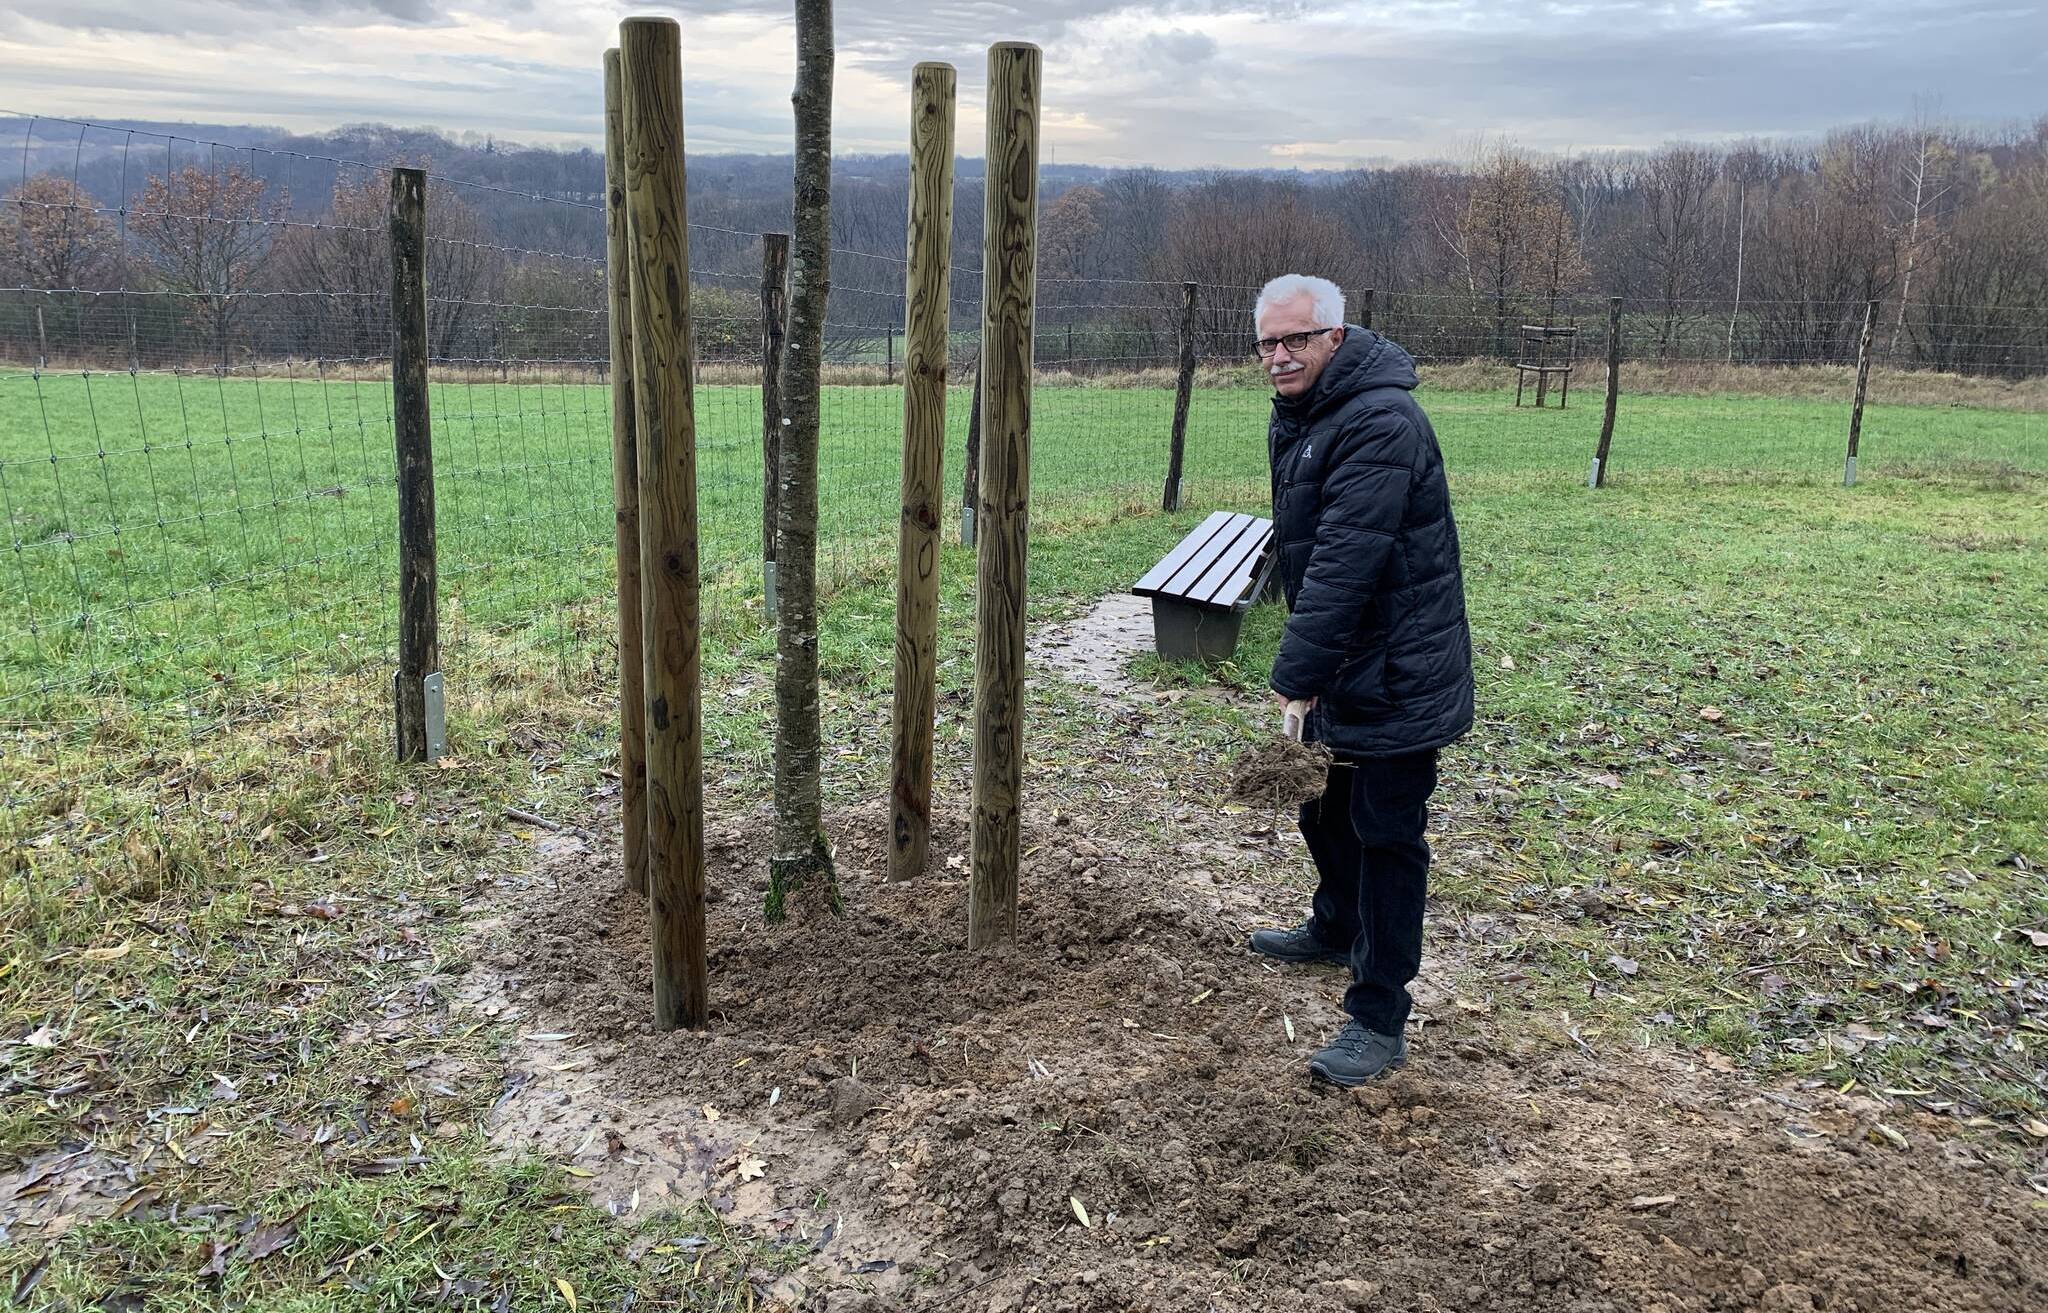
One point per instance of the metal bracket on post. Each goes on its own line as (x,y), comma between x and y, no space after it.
(1593,479)
(967,526)
(434,702)
(437,716)
(1849,473)
(768,587)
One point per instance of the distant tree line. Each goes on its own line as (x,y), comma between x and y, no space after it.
(1759,252)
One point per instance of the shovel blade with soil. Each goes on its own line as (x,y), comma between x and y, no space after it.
(1283,773)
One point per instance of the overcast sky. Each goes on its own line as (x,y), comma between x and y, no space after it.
(1179,83)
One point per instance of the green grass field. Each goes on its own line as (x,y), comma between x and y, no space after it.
(182,542)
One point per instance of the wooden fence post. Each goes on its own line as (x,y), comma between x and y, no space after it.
(1009,263)
(625,490)
(1365,308)
(419,706)
(665,424)
(1862,386)
(1599,475)
(927,305)
(1183,396)
(774,329)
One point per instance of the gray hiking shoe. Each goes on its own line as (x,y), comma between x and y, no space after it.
(1297,944)
(1358,1055)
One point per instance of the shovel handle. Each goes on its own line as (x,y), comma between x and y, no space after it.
(1294,719)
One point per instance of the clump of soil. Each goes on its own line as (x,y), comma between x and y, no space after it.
(1281,774)
(1113,1112)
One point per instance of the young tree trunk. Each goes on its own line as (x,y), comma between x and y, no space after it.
(803,862)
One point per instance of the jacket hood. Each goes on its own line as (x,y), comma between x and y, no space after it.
(1364,361)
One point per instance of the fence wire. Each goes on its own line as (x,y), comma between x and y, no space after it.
(196,437)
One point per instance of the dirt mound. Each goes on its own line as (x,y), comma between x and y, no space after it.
(1113,1113)
(1280,774)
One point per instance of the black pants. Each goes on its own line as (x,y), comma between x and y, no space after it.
(1365,833)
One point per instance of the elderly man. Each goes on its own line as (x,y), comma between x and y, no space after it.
(1376,648)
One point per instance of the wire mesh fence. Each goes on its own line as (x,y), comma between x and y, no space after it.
(196,430)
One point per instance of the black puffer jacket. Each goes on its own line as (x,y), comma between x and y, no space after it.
(1368,557)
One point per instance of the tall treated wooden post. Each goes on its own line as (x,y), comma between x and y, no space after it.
(1862,386)
(418,710)
(970,474)
(1365,308)
(774,328)
(666,426)
(927,303)
(1009,265)
(1183,395)
(625,490)
(1598,478)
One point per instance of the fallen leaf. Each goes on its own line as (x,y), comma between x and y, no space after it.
(267,1239)
(213,1257)
(1289,1023)
(2035,1127)
(579,1171)
(1711,714)
(568,1292)
(1628,966)
(41,1038)
(1080,1212)
(1646,1201)
(752,1169)
(401,1105)
(2039,938)
(710,1113)
(31,1279)
(1717,1061)
(114,954)
(1608,780)
(1507,663)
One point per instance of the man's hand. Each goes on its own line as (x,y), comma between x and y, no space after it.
(1294,716)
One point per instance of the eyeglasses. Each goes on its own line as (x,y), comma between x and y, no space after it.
(1294,342)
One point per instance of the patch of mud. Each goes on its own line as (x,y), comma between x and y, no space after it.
(1281,774)
(934,1124)
(1093,648)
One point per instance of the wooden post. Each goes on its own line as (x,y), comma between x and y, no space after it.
(1862,386)
(927,302)
(1365,308)
(970,478)
(665,424)
(774,328)
(625,490)
(1009,265)
(1183,395)
(1599,476)
(419,636)
(889,353)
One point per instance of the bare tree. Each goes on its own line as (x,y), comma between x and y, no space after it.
(208,236)
(53,236)
(1923,186)
(1510,223)
(803,860)
(1676,185)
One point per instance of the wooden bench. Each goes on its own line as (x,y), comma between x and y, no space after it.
(1201,590)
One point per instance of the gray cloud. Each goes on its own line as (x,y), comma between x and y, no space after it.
(1173,82)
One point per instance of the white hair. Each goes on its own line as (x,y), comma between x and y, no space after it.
(1325,297)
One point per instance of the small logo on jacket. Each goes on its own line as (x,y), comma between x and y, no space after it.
(1308,449)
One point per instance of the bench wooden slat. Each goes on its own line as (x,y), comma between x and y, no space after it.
(1156,578)
(1227,580)
(1186,580)
(1200,588)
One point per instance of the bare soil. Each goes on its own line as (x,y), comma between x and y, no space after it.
(1279,774)
(1113,1113)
